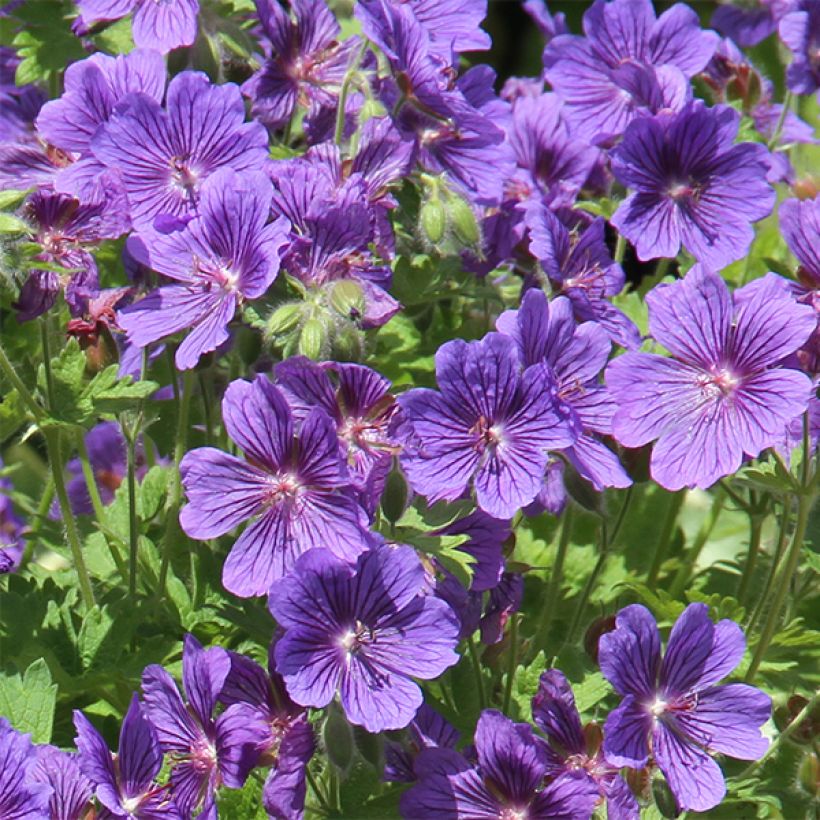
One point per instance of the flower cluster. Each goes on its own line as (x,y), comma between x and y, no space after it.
(345,321)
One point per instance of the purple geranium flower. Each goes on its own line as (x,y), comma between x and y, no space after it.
(18,104)
(550,25)
(693,185)
(800,31)
(225,255)
(71,789)
(21,798)
(66,229)
(427,730)
(295,484)
(628,63)
(333,227)
(164,155)
(125,784)
(671,708)
(362,631)
(205,751)
(285,736)
(749,21)
(11,529)
(555,713)
(554,164)
(305,64)
(506,782)
(489,425)
(546,332)
(162,26)
(358,399)
(722,395)
(93,87)
(578,265)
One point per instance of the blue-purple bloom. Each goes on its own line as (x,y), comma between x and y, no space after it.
(93,87)
(671,708)
(11,529)
(555,713)
(163,155)
(205,751)
(427,730)
(305,63)
(722,395)
(509,779)
(629,63)
(285,741)
(362,631)
(546,332)
(125,784)
(488,426)
(579,265)
(294,483)
(227,254)
(694,186)
(748,23)
(359,400)
(162,25)
(71,790)
(799,29)
(21,798)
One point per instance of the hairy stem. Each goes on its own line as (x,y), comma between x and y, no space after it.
(556,578)
(665,538)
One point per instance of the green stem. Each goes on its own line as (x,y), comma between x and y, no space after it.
(805,500)
(479,679)
(55,459)
(171,521)
(317,792)
(39,516)
(690,557)
(133,523)
(782,541)
(47,361)
(734,496)
(513,664)
(17,383)
(207,403)
(620,249)
(667,531)
(590,584)
(338,133)
(755,531)
(662,268)
(781,121)
(556,578)
(619,521)
(802,716)
(96,501)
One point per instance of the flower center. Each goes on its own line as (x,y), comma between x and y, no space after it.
(488,436)
(282,487)
(658,708)
(514,813)
(719,382)
(184,178)
(203,755)
(356,637)
(681,191)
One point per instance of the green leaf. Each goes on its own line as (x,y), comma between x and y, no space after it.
(591,691)
(96,625)
(70,405)
(110,394)
(116,38)
(29,702)
(11,198)
(153,490)
(13,414)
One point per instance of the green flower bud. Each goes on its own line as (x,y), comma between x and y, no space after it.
(394,499)
(463,221)
(282,320)
(347,298)
(664,799)
(348,345)
(312,339)
(433,219)
(808,774)
(337,736)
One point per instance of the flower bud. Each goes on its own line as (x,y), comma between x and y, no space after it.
(348,345)
(808,774)
(282,320)
(463,221)
(370,746)
(337,736)
(311,339)
(347,298)
(664,799)
(394,498)
(433,220)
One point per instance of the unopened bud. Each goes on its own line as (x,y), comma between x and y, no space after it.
(808,774)
(394,498)
(311,339)
(463,221)
(337,735)
(664,799)
(282,320)
(433,219)
(347,298)
(348,345)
